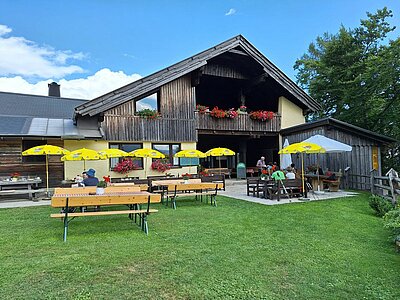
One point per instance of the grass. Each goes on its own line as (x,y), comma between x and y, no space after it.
(333,249)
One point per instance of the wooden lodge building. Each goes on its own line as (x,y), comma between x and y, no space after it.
(229,75)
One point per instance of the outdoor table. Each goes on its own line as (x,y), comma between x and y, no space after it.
(18,187)
(78,197)
(315,182)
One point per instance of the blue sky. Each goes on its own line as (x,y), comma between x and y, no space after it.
(101,45)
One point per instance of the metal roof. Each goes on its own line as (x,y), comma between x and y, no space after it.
(24,115)
(22,126)
(13,104)
(340,125)
(155,80)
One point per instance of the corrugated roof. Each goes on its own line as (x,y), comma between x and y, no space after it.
(14,104)
(154,81)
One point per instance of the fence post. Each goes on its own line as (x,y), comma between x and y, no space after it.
(372,181)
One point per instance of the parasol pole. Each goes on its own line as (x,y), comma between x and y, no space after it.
(302,174)
(47,176)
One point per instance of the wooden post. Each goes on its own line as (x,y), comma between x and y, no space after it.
(372,181)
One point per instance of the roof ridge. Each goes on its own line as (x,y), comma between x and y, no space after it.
(44,96)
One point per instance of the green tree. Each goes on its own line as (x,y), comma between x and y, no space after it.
(355,75)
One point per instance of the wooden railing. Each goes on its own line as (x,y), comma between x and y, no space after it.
(133,128)
(379,185)
(241,123)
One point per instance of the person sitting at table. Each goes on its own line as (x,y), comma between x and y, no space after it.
(290,174)
(278,175)
(89,178)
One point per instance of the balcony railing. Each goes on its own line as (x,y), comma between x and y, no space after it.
(241,123)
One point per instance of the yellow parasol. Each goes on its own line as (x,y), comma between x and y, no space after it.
(218,152)
(190,153)
(83,154)
(113,153)
(46,150)
(145,152)
(302,147)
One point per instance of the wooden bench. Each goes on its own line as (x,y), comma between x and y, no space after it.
(143,187)
(218,171)
(276,189)
(333,185)
(216,178)
(30,192)
(68,198)
(207,189)
(255,186)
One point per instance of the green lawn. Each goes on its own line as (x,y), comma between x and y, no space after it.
(334,249)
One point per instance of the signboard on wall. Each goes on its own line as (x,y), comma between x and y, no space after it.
(375,160)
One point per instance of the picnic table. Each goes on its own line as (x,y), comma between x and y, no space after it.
(67,198)
(21,186)
(174,190)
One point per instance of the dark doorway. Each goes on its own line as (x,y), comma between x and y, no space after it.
(248,150)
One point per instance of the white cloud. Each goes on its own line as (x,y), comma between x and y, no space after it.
(230,12)
(4,29)
(19,56)
(100,83)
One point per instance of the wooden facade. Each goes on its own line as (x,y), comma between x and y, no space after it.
(12,161)
(177,122)
(360,159)
(241,125)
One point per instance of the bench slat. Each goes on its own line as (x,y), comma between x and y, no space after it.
(103,213)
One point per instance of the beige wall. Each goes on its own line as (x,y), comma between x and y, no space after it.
(291,114)
(102,167)
(73,168)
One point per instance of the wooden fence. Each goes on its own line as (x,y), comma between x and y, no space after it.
(386,186)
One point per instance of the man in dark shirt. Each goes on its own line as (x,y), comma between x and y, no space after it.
(90,180)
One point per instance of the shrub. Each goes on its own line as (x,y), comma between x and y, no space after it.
(392,220)
(380,205)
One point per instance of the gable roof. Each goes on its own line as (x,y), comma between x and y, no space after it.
(24,115)
(15,104)
(156,80)
(340,125)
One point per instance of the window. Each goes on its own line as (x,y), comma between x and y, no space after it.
(150,102)
(126,148)
(169,150)
(26,144)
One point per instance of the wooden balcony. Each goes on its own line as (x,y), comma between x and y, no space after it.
(133,128)
(242,124)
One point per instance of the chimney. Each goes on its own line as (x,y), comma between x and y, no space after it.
(54,89)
